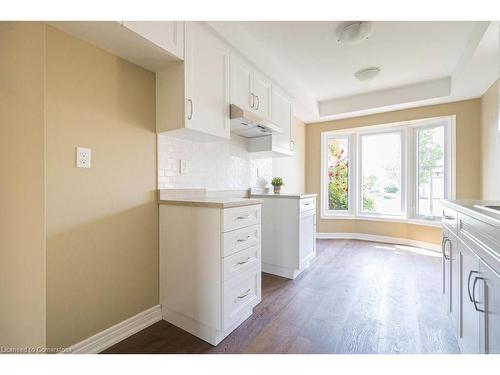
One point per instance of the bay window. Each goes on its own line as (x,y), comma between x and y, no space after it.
(395,172)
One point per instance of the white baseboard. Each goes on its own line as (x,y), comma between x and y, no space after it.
(107,338)
(375,238)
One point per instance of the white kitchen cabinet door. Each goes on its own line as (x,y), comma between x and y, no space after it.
(447,279)
(307,238)
(487,293)
(281,115)
(206,81)
(455,281)
(168,35)
(241,84)
(469,267)
(261,88)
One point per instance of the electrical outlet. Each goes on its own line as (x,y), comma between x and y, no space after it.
(183,166)
(83,157)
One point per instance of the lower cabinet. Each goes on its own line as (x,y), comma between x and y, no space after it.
(471,282)
(488,301)
(210,267)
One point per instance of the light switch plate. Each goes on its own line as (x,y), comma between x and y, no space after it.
(83,157)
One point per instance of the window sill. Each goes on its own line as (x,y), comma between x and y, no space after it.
(389,219)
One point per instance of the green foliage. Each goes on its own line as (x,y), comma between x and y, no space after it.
(391,189)
(368,203)
(277,181)
(430,152)
(338,176)
(368,183)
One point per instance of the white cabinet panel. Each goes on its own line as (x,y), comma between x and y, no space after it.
(487,294)
(469,265)
(207,81)
(168,35)
(281,115)
(262,92)
(307,238)
(241,84)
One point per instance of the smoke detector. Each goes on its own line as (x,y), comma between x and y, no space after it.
(367,74)
(354,33)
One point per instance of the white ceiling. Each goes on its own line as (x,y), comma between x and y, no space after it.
(305,57)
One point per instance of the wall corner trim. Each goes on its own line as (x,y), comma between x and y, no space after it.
(112,335)
(375,238)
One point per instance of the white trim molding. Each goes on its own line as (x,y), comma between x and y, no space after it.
(375,238)
(112,335)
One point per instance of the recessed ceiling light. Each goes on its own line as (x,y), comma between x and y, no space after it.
(367,73)
(354,33)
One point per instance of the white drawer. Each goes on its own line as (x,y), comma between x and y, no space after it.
(307,204)
(239,217)
(240,294)
(241,262)
(240,239)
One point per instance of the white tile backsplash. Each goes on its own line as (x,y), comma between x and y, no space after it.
(211,165)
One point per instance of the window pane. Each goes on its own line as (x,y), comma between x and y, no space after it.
(431,184)
(381,173)
(338,174)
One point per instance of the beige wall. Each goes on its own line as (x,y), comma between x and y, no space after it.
(468,164)
(22,185)
(490,144)
(102,223)
(292,169)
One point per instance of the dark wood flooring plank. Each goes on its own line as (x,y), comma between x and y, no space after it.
(357,297)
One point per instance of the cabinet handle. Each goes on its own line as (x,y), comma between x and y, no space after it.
(474,293)
(468,284)
(448,217)
(252,104)
(244,239)
(443,247)
(245,261)
(243,217)
(258,102)
(245,294)
(190,115)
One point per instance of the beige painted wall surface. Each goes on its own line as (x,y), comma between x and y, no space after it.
(22,191)
(102,223)
(468,164)
(490,144)
(292,169)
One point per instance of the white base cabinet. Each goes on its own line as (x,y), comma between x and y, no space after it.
(288,235)
(210,267)
(471,280)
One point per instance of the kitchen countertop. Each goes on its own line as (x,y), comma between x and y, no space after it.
(469,207)
(283,195)
(211,202)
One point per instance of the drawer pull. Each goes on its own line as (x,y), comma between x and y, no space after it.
(307,204)
(244,239)
(245,261)
(243,217)
(245,294)
(448,217)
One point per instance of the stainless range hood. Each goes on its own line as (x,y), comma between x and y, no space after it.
(250,125)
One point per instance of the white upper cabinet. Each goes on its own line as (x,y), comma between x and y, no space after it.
(168,35)
(281,115)
(250,90)
(241,84)
(262,92)
(192,98)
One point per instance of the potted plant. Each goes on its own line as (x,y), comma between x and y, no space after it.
(277,182)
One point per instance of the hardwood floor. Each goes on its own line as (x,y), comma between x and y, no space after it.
(357,297)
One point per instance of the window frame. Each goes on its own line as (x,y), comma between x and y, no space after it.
(351,146)
(409,169)
(402,133)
